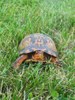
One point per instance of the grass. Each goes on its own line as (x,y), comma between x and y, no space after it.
(31,82)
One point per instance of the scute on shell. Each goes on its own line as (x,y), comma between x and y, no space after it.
(38,41)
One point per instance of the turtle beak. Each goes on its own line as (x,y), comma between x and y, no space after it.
(38,55)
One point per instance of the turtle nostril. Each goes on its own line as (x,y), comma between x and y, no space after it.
(37,56)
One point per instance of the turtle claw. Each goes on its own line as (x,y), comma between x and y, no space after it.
(59,63)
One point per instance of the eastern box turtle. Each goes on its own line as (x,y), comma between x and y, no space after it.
(37,48)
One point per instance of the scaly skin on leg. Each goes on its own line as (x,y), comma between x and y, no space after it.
(19,61)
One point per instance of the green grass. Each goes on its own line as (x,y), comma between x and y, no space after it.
(19,18)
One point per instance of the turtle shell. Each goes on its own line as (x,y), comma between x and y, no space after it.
(38,41)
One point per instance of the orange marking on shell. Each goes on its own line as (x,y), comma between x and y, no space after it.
(38,42)
(29,39)
(27,51)
(49,43)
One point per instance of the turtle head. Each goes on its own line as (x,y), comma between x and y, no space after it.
(38,55)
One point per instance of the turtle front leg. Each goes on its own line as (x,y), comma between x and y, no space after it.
(19,61)
(56,61)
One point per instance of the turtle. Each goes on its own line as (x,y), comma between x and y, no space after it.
(37,47)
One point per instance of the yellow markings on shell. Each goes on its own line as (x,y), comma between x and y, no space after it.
(26,42)
(43,49)
(49,44)
(34,49)
(49,52)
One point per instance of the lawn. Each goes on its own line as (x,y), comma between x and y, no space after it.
(55,18)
